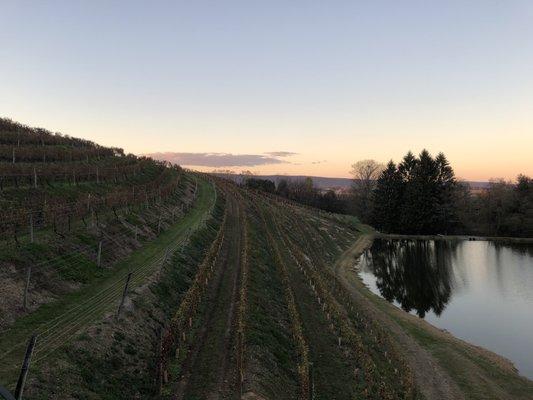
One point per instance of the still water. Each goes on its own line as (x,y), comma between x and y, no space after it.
(480,291)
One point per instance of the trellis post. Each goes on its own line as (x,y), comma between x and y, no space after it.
(99,256)
(31,227)
(124,293)
(25,367)
(27,288)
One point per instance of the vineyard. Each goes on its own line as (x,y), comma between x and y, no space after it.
(133,279)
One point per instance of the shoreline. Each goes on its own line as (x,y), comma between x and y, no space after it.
(479,373)
(503,239)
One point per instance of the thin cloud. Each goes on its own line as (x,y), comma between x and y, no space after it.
(281,153)
(218,160)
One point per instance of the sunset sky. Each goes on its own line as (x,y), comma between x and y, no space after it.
(326,83)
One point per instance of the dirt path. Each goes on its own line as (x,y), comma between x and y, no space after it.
(210,368)
(431,379)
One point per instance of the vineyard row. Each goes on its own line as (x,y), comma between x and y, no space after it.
(296,323)
(27,175)
(176,334)
(56,212)
(373,378)
(20,154)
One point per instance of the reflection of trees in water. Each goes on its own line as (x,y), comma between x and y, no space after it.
(520,248)
(414,273)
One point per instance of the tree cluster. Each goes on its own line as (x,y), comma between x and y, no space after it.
(302,191)
(503,209)
(264,185)
(416,196)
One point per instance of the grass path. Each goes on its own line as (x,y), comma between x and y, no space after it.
(210,369)
(58,321)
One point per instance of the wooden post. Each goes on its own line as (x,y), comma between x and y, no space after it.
(25,367)
(5,394)
(27,289)
(124,293)
(97,176)
(312,382)
(160,363)
(31,227)
(99,256)
(34,178)
(159,226)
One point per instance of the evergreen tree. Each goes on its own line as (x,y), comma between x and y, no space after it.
(446,189)
(406,170)
(420,193)
(407,166)
(407,214)
(387,199)
(424,194)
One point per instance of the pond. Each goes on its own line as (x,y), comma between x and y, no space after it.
(480,291)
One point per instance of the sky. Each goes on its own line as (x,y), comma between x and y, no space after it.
(290,87)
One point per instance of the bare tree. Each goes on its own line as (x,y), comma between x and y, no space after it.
(365,174)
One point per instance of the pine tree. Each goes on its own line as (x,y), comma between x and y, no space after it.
(420,196)
(407,166)
(387,198)
(446,189)
(417,197)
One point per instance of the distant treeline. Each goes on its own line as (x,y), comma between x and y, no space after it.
(504,209)
(420,195)
(301,191)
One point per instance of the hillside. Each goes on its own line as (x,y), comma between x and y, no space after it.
(144,280)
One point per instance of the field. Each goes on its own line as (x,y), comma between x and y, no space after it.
(144,280)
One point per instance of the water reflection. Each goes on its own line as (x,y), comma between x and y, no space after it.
(480,291)
(518,248)
(416,274)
